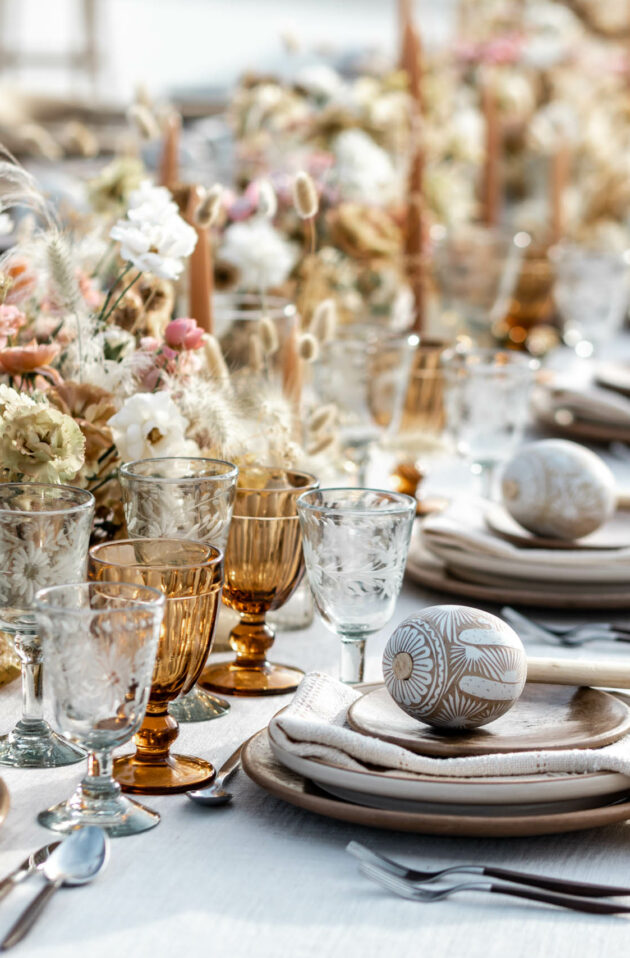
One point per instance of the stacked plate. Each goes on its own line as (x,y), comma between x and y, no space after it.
(547,717)
(475,549)
(592,413)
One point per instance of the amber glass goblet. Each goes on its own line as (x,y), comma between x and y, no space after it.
(263,567)
(190,574)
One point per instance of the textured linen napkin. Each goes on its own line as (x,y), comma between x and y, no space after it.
(591,402)
(314,726)
(462,526)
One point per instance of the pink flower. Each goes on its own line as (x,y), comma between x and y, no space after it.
(183,333)
(91,294)
(11,319)
(162,359)
(26,359)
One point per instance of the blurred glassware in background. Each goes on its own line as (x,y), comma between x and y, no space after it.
(355,547)
(364,372)
(476,269)
(592,292)
(237,317)
(487,405)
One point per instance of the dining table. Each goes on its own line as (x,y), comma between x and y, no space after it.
(259,878)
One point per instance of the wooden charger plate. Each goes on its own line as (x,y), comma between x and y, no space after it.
(428,572)
(545,717)
(592,430)
(261,766)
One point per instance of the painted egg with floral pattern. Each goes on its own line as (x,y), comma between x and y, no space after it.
(559,489)
(452,666)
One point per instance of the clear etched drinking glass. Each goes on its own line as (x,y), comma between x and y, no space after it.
(487,406)
(44,539)
(100,641)
(190,498)
(355,547)
(592,292)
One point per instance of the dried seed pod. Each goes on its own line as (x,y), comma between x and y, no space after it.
(256,360)
(267,200)
(210,207)
(322,418)
(268,335)
(215,362)
(323,324)
(308,348)
(143,119)
(78,138)
(305,197)
(315,448)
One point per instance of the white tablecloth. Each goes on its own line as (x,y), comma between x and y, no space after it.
(262,879)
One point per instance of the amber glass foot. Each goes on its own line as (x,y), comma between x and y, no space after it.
(233,678)
(178,773)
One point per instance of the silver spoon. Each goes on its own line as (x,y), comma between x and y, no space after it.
(28,867)
(75,862)
(216,794)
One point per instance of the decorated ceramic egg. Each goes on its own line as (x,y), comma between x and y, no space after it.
(559,489)
(454,667)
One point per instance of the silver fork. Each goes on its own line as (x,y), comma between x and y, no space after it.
(406,889)
(416,877)
(569,635)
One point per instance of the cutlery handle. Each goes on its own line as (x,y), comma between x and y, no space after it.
(10,882)
(231,764)
(601,673)
(28,917)
(556,884)
(591,905)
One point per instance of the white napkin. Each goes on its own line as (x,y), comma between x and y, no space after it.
(592,403)
(313,726)
(462,526)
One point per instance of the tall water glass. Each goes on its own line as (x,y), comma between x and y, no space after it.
(178,497)
(100,641)
(44,538)
(487,406)
(355,548)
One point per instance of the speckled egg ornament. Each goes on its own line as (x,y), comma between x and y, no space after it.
(454,667)
(559,489)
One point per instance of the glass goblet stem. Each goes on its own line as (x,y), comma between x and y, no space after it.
(32,681)
(352,667)
(99,784)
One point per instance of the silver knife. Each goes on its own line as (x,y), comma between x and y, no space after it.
(28,867)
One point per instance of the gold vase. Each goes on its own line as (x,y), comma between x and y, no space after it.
(190,574)
(263,567)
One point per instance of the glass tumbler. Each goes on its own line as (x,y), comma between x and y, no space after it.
(44,538)
(487,406)
(188,498)
(355,548)
(190,574)
(263,567)
(100,641)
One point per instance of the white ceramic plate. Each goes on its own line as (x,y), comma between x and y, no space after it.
(512,790)
(614,534)
(595,567)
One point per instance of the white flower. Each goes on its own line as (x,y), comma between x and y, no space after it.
(154,237)
(6,224)
(363,171)
(150,425)
(321,81)
(260,253)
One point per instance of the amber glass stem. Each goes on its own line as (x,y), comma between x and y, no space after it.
(154,739)
(250,639)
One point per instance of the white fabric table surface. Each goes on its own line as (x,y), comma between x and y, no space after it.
(262,879)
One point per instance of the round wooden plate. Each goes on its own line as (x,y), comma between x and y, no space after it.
(545,717)
(261,766)
(592,431)
(614,534)
(434,575)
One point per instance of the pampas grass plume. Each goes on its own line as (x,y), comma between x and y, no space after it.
(210,207)
(268,335)
(143,119)
(323,323)
(305,197)
(308,348)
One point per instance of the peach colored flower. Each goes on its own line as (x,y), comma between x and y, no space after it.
(11,319)
(183,333)
(22,279)
(26,359)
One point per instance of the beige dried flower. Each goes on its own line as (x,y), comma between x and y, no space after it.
(143,119)
(305,197)
(39,141)
(41,443)
(323,323)
(209,209)
(314,449)
(215,363)
(308,348)
(78,138)
(322,419)
(267,200)
(256,354)
(268,335)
